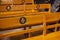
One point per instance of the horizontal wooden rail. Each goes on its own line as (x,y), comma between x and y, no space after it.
(19,32)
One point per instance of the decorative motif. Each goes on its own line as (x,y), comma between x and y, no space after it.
(22,20)
(8,8)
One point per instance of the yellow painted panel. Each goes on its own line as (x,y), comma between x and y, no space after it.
(14,21)
(52,17)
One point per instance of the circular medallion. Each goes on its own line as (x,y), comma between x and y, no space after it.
(22,20)
(8,8)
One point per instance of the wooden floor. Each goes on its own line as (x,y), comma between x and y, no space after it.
(51,36)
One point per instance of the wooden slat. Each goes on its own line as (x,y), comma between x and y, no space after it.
(29,1)
(13,8)
(12,22)
(11,2)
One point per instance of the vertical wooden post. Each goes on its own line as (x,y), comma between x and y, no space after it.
(44,24)
(33,6)
(24,7)
(29,34)
(56,26)
(25,33)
